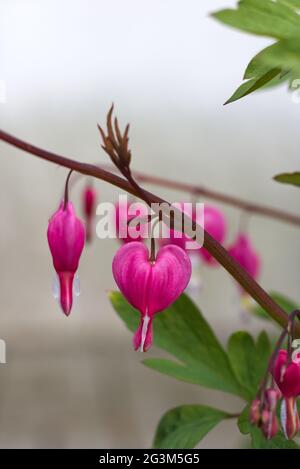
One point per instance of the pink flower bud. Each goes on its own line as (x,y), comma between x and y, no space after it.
(255,412)
(89,201)
(289,417)
(243,252)
(66,236)
(123,215)
(269,425)
(271,398)
(215,225)
(287,375)
(150,287)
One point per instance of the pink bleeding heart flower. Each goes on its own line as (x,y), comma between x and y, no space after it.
(269,425)
(244,253)
(215,225)
(148,286)
(89,201)
(263,412)
(287,376)
(124,213)
(66,235)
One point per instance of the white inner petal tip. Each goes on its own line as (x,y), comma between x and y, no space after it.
(146,320)
(283,417)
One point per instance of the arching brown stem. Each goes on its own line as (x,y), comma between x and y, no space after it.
(215,248)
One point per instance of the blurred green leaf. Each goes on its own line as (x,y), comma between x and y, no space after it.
(184,426)
(278,19)
(182,331)
(262,17)
(254,84)
(289,178)
(258,440)
(278,442)
(249,359)
(284,302)
(243,421)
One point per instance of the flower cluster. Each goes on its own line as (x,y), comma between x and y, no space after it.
(284,373)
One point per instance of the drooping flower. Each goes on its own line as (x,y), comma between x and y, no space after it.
(66,235)
(263,412)
(89,201)
(126,212)
(150,286)
(210,218)
(215,224)
(244,253)
(287,376)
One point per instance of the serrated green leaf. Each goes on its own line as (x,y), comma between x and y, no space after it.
(289,178)
(184,426)
(254,84)
(249,359)
(278,19)
(182,331)
(264,18)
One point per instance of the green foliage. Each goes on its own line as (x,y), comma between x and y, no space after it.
(183,332)
(184,426)
(249,359)
(286,303)
(258,441)
(280,61)
(289,178)
(199,358)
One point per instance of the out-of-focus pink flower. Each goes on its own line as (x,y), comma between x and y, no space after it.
(148,286)
(124,213)
(66,235)
(244,253)
(215,224)
(211,219)
(89,201)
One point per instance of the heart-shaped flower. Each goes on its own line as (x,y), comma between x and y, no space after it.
(150,286)
(287,375)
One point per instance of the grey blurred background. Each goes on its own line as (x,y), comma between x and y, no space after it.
(168,67)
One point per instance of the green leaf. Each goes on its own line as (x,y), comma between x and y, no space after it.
(243,421)
(184,426)
(249,359)
(264,18)
(182,331)
(284,302)
(258,440)
(278,442)
(278,19)
(289,178)
(254,84)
